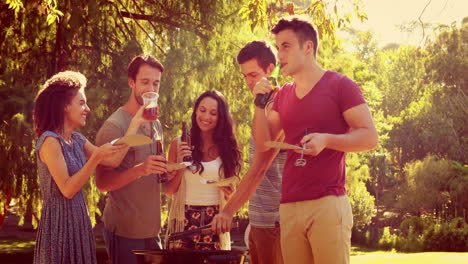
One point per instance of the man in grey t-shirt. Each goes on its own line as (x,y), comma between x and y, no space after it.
(132,216)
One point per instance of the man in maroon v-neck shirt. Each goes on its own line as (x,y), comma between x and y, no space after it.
(324,112)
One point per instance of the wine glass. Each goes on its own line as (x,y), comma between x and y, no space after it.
(300,162)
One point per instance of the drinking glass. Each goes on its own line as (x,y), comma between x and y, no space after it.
(150,112)
(300,162)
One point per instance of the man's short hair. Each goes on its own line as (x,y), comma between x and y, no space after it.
(302,26)
(260,50)
(141,59)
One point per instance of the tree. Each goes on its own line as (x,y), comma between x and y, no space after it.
(435,120)
(53,34)
(196,40)
(362,202)
(435,186)
(446,68)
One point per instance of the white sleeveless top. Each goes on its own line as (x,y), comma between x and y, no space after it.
(198,193)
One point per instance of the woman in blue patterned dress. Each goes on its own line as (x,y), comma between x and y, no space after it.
(65,161)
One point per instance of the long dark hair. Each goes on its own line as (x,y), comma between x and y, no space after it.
(223,137)
(51,100)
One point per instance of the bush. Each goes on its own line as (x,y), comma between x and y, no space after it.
(452,237)
(412,242)
(367,237)
(387,240)
(417,224)
(423,234)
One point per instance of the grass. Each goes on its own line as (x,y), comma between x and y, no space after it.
(366,256)
(13,245)
(18,248)
(14,250)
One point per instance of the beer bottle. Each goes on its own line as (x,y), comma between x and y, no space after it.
(186,138)
(162,177)
(262,99)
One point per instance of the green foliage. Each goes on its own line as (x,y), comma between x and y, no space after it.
(362,202)
(434,186)
(197,41)
(412,242)
(404,81)
(416,224)
(425,234)
(101,51)
(433,120)
(449,236)
(254,11)
(417,96)
(387,240)
(16,5)
(448,60)
(328,16)
(419,106)
(367,238)
(17,167)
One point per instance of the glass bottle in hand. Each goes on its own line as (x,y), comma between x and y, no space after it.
(162,177)
(186,138)
(262,99)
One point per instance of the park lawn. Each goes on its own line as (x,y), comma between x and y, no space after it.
(360,256)
(12,245)
(19,247)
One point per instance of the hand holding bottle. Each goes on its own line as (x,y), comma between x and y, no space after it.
(185,138)
(183,151)
(265,88)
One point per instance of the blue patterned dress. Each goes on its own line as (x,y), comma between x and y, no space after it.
(65,234)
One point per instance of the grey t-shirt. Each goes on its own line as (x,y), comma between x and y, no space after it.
(132,211)
(264,203)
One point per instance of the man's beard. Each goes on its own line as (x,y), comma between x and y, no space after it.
(139,99)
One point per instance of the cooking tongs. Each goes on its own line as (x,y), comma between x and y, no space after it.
(202,230)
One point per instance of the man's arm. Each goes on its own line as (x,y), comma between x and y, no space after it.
(261,162)
(266,123)
(109,132)
(109,179)
(361,137)
(266,128)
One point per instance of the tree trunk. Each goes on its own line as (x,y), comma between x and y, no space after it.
(8,193)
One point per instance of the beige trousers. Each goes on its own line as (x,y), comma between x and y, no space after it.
(316,231)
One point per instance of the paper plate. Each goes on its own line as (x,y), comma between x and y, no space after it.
(225,182)
(133,140)
(280,145)
(172,166)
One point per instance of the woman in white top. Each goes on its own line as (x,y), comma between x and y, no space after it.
(216,156)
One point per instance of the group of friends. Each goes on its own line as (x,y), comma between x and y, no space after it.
(298,212)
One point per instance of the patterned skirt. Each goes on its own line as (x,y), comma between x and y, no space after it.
(197,216)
